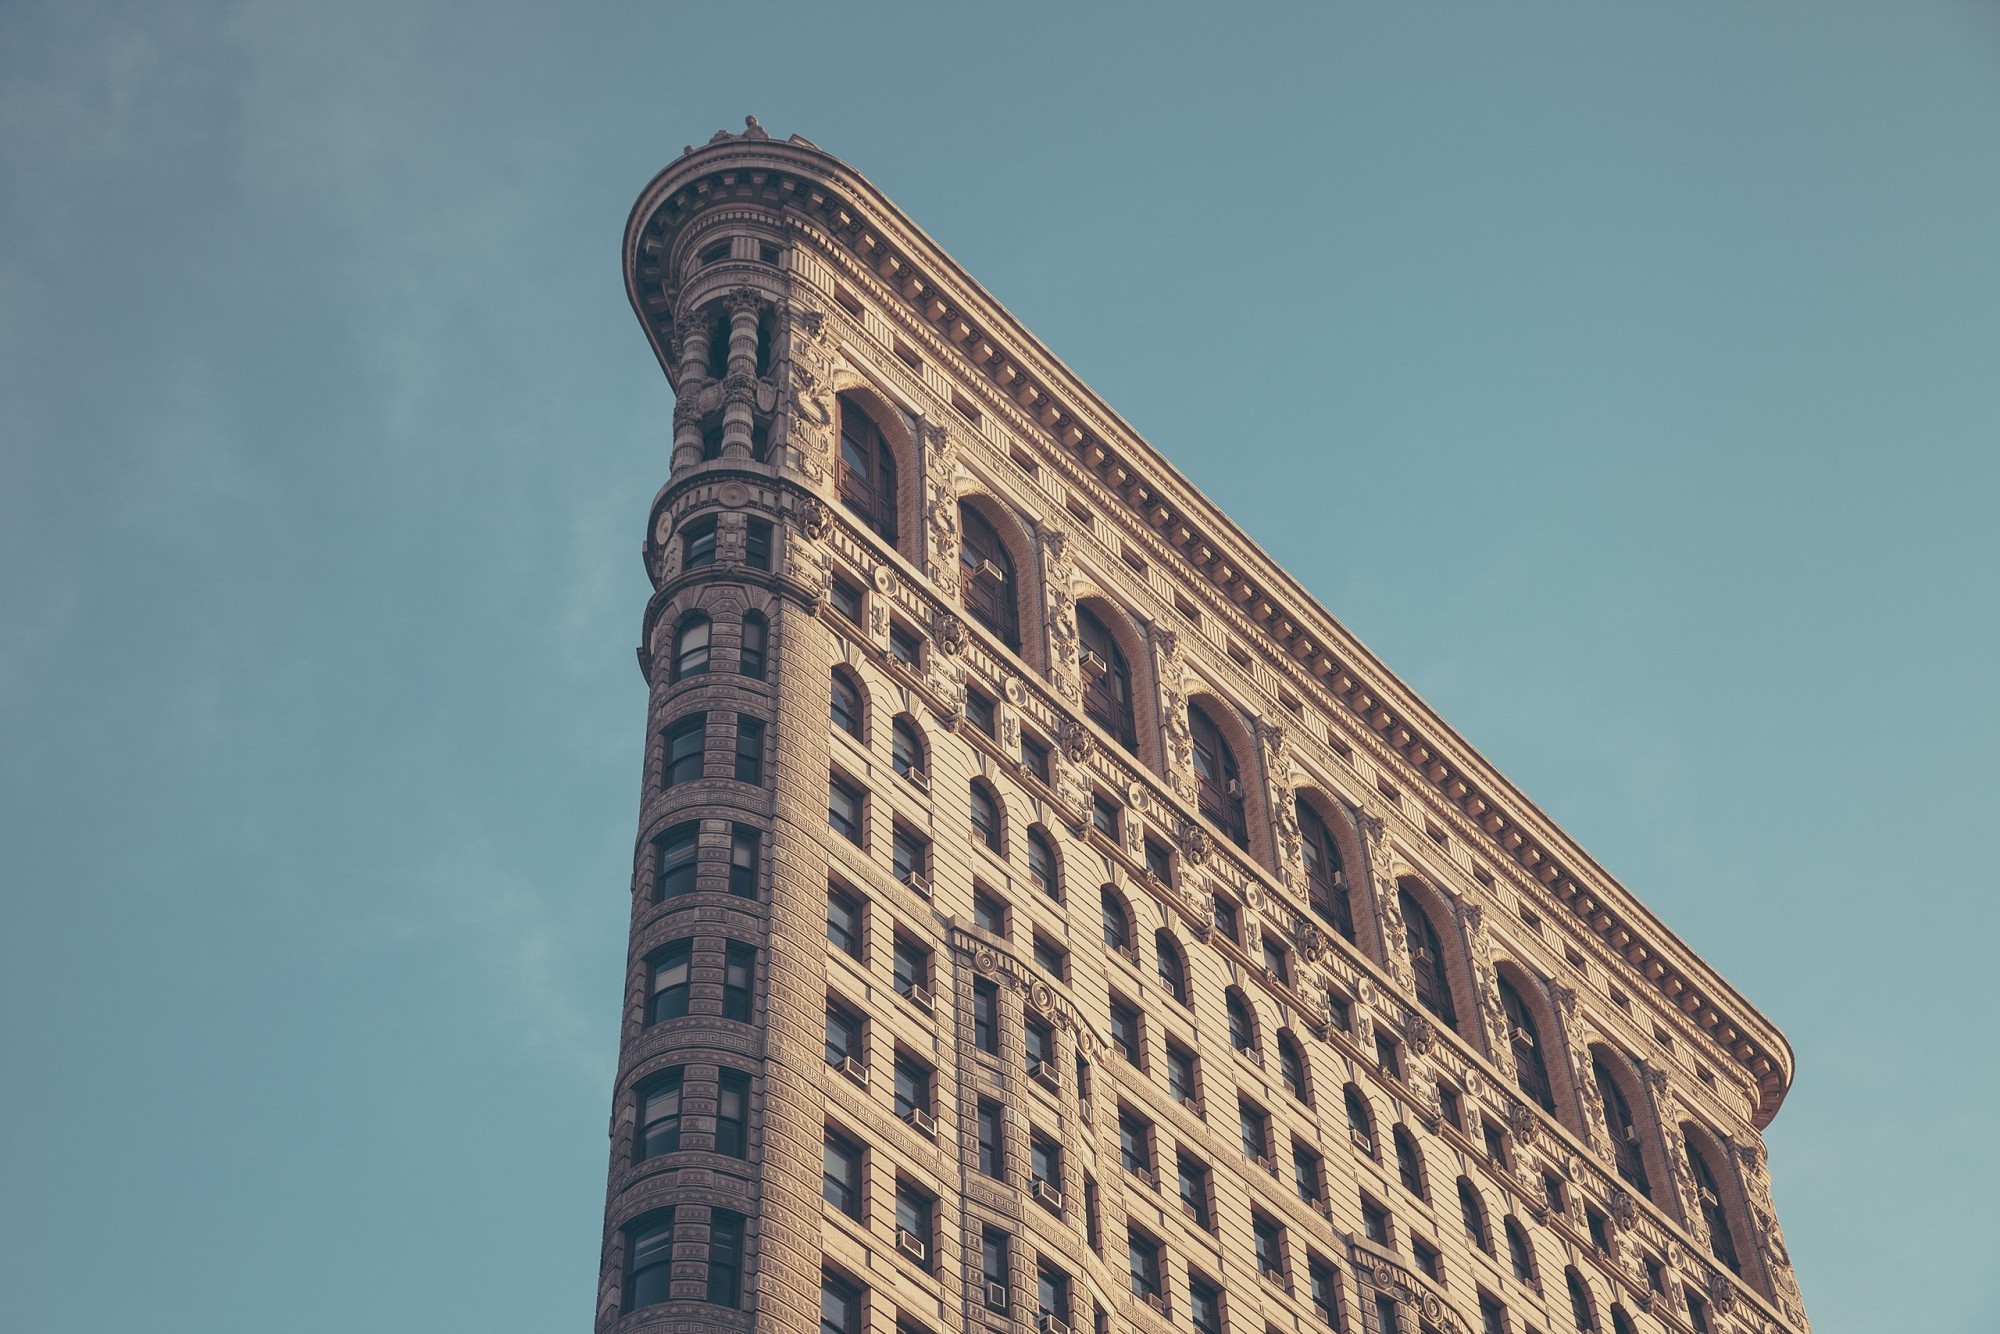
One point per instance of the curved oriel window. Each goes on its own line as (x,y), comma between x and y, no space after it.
(1427,959)
(1623,1130)
(1531,1068)
(867,471)
(1107,680)
(691,648)
(1220,795)
(1326,878)
(986,583)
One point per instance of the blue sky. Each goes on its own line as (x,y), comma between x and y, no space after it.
(1627,377)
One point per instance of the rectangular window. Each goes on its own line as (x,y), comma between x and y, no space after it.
(649,1254)
(1276,963)
(1035,757)
(1143,1255)
(1104,816)
(725,1258)
(986,1016)
(750,648)
(1386,1055)
(681,749)
(979,711)
(1181,1070)
(1600,1232)
(992,1148)
(675,857)
(989,913)
(1051,958)
(843,921)
(1325,1289)
(660,1114)
(1093,1231)
(1451,1106)
(745,851)
(993,1257)
(749,749)
(1267,1239)
(1039,1045)
(843,1036)
(845,598)
(904,646)
(914,1210)
(1255,1125)
(839,1306)
(698,544)
(1308,1173)
(757,544)
(911,963)
(1045,1168)
(910,858)
(1375,1223)
(669,983)
(913,1087)
(1135,1143)
(1196,1198)
(1496,1142)
(844,809)
(1552,1191)
(1204,1305)
(1339,1012)
(840,1174)
(1125,1031)
(1052,1291)
(1228,920)
(1159,862)
(732,1113)
(738,972)
(1427,1260)
(1385,1315)
(1492,1315)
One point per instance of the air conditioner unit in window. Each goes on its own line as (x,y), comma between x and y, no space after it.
(854,1070)
(1264,1161)
(910,1244)
(1047,1323)
(917,884)
(1708,1197)
(1046,1074)
(1521,1037)
(996,1296)
(1092,664)
(1191,1105)
(922,999)
(918,779)
(989,570)
(922,1122)
(1362,1141)
(1234,787)
(1158,1301)
(1631,1134)
(1045,1194)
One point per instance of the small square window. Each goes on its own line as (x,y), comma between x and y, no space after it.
(1187,609)
(1426,1256)
(989,913)
(904,645)
(1104,816)
(1376,1224)
(1159,862)
(979,711)
(757,544)
(845,599)
(1228,919)
(1035,757)
(1052,958)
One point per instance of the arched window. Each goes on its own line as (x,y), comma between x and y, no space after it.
(1360,1121)
(1623,1130)
(1292,1067)
(750,657)
(986,584)
(1472,1211)
(1620,1322)
(1107,680)
(1519,1252)
(845,705)
(1531,1068)
(867,471)
(1221,788)
(1117,922)
(906,751)
(1326,878)
(1427,959)
(691,648)
(1579,1302)
(1242,1024)
(1173,969)
(1042,864)
(986,815)
(1409,1163)
(1720,1239)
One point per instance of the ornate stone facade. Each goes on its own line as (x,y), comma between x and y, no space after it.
(1171,965)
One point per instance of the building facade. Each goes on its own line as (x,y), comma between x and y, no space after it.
(1044,913)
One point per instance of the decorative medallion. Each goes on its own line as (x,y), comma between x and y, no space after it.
(814,520)
(950,634)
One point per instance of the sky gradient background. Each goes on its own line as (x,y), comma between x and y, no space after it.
(1627,377)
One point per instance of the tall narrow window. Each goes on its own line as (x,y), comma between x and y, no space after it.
(1579,1302)
(910,965)
(1042,864)
(698,544)
(725,1258)
(1143,1256)
(1193,1176)
(1204,1305)
(681,762)
(738,971)
(1253,1123)
(840,1174)
(1531,1069)
(1623,1130)
(1172,968)
(1427,959)
(744,845)
(994,1264)
(1268,1243)
(914,1213)
(1219,785)
(732,1113)
(676,856)
(757,544)
(1409,1164)
(1720,1239)
(913,1087)
(1181,1075)
(986,1016)
(1326,878)
(750,651)
(749,749)
(839,1306)
(986,582)
(844,804)
(1360,1121)
(691,648)
(1308,1174)
(1519,1253)
(992,1148)
(906,751)
(1125,1032)
(1052,1292)
(1472,1211)
(845,1039)
(1135,1143)
(1242,1026)
(649,1255)
(1107,681)
(845,706)
(867,471)
(844,922)
(669,982)
(986,815)
(1292,1067)
(1117,922)
(910,858)
(1325,1290)
(660,1114)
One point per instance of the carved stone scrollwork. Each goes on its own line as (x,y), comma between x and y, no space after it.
(687,411)
(1521,1123)
(949,634)
(1419,1034)
(1074,741)
(809,422)
(1196,845)
(814,521)
(1624,1210)
(744,301)
(1310,941)
(1173,707)
(739,389)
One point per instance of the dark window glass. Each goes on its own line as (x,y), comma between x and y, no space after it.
(911,964)
(1385,1315)
(1172,968)
(1360,1123)
(1143,1254)
(1042,864)
(1038,1041)
(698,544)
(1427,1259)
(669,982)
(989,913)
(1600,1229)
(1624,1131)
(691,644)
(1720,1239)
(1117,923)
(845,599)
(750,656)
(843,1036)
(1697,1314)
(660,1114)
(732,1114)
(979,712)
(1219,787)
(1325,1290)
(1254,1124)
(682,747)
(1531,1069)
(1496,1142)
(986,583)
(913,1087)
(867,471)
(1292,1068)
(1181,1072)
(992,1149)
(906,751)
(1045,1162)
(1519,1253)
(840,1174)
(1275,962)
(1051,958)
(1427,959)
(910,858)
(675,856)
(1451,1106)
(1409,1166)
(1620,1322)
(843,808)
(986,1016)
(725,1258)
(1375,1223)
(843,921)
(1125,1031)
(1194,1188)
(1242,1027)
(1308,1174)
(1107,681)
(914,1211)
(993,1262)
(1339,1013)
(749,749)
(904,646)
(757,544)
(1204,1305)
(1326,878)
(1579,1302)
(744,846)
(1104,816)
(1228,919)
(1052,1291)
(1386,1055)
(986,816)
(1492,1316)
(839,1306)
(738,971)
(1268,1243)
(845,705)
(1135,1143)
(649,1255)
(1472,1212)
